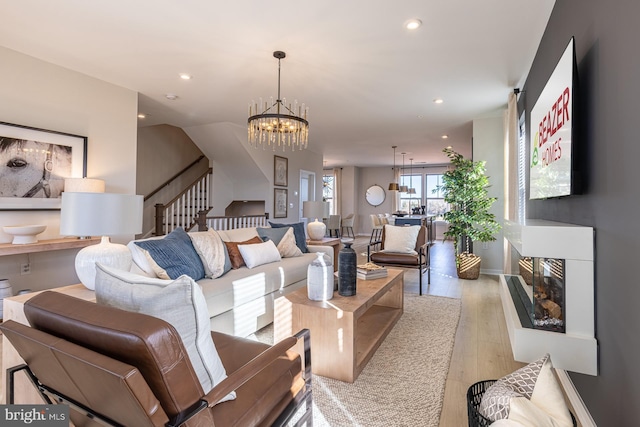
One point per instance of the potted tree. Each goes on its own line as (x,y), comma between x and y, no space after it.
(465,189)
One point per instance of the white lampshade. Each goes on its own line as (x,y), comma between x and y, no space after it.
(312,209)
(83,185)
(100,214)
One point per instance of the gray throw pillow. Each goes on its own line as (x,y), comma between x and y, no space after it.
(179,302)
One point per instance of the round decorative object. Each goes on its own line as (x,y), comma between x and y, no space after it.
(316,230)
(5,291)
(375,195)
(320,278)
(24,234)
(347,269)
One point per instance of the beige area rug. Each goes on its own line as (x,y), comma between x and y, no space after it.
(403,383)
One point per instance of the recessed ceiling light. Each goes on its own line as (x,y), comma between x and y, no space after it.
(171,96)
(412,24)
(449,147)
(185,76)
(438,101)
(420,116)
(445,136)
(142,116)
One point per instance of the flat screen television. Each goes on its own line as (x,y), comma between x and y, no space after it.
(552,128)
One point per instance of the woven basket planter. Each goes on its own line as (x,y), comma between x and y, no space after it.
(468,266)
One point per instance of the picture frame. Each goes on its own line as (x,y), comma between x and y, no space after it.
(34,163)
(280,203)
(280,171)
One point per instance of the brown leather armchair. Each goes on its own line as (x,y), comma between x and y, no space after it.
(131,369)
(420,261)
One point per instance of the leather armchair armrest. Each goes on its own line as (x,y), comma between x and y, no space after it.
(377,242)
(257,364)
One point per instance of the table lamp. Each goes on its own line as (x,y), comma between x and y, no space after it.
(84,185)
(100,214)
(311,209)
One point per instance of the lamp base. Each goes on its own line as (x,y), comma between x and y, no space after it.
(316,230)
(110,254)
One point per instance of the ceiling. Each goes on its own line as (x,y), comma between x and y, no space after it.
(368,81)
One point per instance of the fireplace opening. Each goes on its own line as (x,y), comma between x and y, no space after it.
(538,291)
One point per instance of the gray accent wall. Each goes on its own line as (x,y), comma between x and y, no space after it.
(607,37)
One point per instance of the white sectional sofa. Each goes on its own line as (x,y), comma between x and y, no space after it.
(241,301)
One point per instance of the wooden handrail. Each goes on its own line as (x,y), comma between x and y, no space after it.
(167,182)
(229,221)
(209,171)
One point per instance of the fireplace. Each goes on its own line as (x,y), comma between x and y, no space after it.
(548,297)
(539,289)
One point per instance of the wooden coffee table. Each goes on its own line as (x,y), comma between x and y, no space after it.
(345,331)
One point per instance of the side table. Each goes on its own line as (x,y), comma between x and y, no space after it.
(329,241)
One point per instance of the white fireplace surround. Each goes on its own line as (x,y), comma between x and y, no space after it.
(577,349)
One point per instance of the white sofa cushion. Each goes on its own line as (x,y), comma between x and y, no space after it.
(179,302)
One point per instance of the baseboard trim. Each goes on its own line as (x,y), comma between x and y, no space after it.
(579,408)
(491,271)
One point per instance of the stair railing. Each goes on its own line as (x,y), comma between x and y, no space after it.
(184,209)
(231,222)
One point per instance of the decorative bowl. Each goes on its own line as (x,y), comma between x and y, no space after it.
(24,234)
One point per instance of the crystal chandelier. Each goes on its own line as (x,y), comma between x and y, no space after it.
(278,125)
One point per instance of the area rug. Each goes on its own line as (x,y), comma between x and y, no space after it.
(403,383)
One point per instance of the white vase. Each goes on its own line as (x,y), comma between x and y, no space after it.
(5,291)
(320,278)
(316,230)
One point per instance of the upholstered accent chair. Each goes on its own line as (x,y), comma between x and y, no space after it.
(123,368)
(333,225)
(347,224)
(376,229)
(411,256)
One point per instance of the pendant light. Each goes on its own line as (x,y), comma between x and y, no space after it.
(411,189)
(403,188)
(393,186)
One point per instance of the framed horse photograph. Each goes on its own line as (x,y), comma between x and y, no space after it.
(34,164)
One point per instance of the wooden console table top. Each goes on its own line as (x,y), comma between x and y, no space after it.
(46,245)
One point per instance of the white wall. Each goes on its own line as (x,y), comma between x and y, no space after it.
(245,173)
(488,145)
(39,94)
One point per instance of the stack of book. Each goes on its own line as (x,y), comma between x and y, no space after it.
(370,271)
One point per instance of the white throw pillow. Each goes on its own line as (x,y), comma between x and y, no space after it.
(212,252)
(259,253)
(401,239)
(179,302)
(287,246)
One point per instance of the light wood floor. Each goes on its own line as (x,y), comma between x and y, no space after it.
(482,349)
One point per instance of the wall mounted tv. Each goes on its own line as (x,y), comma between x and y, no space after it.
(552,127)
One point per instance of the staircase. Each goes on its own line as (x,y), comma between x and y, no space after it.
(184,209)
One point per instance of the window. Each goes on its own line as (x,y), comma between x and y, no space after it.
(435,199)
(522,171)
(410,201)
(327,189)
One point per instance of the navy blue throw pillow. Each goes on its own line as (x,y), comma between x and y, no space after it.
(175,254)
(298,231)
